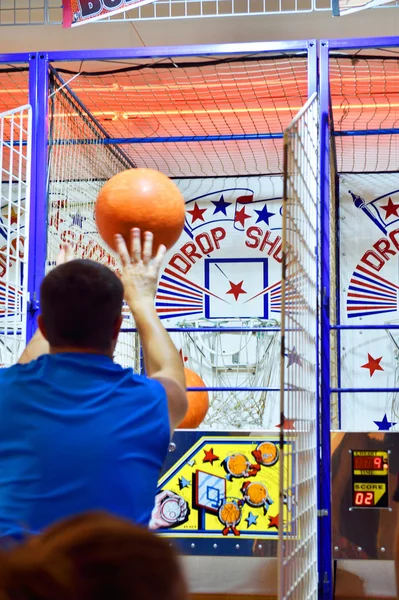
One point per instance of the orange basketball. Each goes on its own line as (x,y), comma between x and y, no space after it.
(198,402)
(141,198)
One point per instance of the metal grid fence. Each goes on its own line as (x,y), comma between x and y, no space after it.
(49,12)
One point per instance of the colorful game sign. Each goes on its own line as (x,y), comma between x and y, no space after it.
(225,486)
(79,12)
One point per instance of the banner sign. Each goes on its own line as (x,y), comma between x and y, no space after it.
(79,12)
(347,7)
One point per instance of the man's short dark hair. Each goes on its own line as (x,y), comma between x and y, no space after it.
(80,303)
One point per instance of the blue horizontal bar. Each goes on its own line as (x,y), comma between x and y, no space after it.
(351,43)
(175,51)
(161,140)
(17,57)
(362,132)
(237,389)
(361,390)
(361,327)
(207,329)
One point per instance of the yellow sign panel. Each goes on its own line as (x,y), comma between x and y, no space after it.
(226,486)
(378,489)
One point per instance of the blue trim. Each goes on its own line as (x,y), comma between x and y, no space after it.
(162,140)
(360,43)
(324,496)
(38,97)
(175,51)
(377,390)
(362,327)
(208,261)
(205,329)
(360,132)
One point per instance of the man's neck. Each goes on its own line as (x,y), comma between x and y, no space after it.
(75,350)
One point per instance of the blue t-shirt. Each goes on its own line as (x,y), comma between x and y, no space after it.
(78,433)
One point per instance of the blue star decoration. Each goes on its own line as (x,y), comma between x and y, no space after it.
(384,425)
(251,519)
(183,483)
(77,219)
(264,215)
(221,206)
(293,358)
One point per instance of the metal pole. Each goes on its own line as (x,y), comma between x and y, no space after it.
(325,549)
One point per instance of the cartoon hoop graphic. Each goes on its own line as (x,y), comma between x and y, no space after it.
(238,359)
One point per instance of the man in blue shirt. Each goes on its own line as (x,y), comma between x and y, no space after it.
(77,431)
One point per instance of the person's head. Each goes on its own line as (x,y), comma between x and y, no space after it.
(94,556)
(81,307)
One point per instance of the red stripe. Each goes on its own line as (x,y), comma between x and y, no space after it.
(169,272)
(172,310)
(376,307)
(365,296)
(373,287)
(179,289)
(182,300)
(371,274)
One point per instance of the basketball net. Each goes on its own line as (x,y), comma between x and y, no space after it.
(239,359)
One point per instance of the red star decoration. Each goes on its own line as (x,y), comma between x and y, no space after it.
(274,522)
(197,213)
(373,364)
(210,456)
(288,423)
(240,217)
(236,289)
(391,209)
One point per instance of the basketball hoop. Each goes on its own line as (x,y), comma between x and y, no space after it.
(234,359)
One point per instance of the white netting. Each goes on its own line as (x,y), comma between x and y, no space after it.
(77,171)
(235,359)
(299,457)
(15,158)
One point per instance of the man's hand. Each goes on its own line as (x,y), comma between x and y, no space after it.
(140,272)
(65,254)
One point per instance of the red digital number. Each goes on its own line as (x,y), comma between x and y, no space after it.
(377,462)
(364,499)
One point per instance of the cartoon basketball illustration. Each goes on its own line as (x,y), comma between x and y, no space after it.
(256,495)
(230,515)
(266,454)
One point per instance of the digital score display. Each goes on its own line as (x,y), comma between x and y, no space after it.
(370,470)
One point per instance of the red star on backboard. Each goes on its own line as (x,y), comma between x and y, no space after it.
(289,424)
(391,209)
(209,456)
(274,522)
(373,364)
(241,215)
(236,289)
(197,213)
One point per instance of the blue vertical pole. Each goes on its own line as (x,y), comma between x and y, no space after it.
(312,67)
(325,530)
(38,98)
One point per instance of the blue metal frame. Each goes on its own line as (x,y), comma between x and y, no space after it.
(38,89)
(325,529)
(38,93)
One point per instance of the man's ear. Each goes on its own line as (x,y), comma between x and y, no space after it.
(41,326)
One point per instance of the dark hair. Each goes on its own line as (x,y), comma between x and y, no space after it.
(80,303)
(94,556)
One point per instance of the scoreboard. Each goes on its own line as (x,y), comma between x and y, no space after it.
(370,479)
